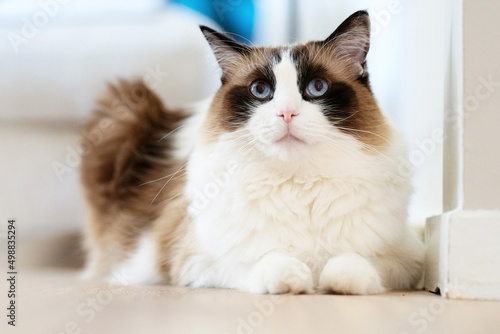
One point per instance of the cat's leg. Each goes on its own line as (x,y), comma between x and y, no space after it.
(97,264)
(140,267)
(350,274)
(399,272)
(98,260)
(280,273)
(402,267)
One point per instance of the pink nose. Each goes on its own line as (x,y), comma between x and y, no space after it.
(287,115)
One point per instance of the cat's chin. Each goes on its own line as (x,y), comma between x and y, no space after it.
(287,148)
(290,139)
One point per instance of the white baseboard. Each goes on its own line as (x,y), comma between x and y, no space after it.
(463,254)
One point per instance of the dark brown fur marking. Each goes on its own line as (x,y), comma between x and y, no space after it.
(130,150)
(349,104)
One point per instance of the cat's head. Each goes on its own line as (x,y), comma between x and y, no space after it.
(290,100)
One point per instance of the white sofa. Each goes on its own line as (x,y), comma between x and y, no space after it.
(48,86)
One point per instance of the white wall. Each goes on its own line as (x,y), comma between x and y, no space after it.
(481,105)
(463,250)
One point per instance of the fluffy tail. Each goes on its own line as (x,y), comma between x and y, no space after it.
(129,170)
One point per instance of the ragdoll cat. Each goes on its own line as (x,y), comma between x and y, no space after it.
(285,182)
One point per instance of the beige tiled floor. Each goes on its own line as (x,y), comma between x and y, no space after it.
(55,302)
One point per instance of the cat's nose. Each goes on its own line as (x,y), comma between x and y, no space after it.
(287,115)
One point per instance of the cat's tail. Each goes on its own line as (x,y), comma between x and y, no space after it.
(128,170)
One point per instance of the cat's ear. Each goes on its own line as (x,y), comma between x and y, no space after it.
(351,40)
(227,51)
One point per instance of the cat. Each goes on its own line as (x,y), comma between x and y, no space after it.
(286,181)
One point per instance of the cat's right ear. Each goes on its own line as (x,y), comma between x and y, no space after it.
(227,51)
(351,41)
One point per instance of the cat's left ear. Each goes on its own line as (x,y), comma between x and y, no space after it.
(227,51)
(351,40)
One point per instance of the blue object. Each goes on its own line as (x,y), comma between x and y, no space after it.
(236,17)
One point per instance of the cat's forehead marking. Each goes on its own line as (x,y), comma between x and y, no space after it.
(287,93)
(285,70)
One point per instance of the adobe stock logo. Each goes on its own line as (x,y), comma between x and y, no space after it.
(121,109)
(38,20)
(212,188)
(382,18)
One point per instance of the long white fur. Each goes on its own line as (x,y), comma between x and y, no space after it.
(140,267)
(292,216)
(186,136)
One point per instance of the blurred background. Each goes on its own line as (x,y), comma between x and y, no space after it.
(56,57)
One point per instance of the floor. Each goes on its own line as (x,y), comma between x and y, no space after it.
(56,302)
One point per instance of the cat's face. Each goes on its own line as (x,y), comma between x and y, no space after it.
(292,99)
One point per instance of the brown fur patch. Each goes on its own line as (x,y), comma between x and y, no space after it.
(128,174)
(170,231)
(362,117)
(224,114)
(354,108)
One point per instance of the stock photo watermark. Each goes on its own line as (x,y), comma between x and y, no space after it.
(420,319)
(47,10)
(483,91)
(222,7)
(11,273)
(217,182)
(88,309)
(382,18)
(263,309)
(121,110)
(426,147)
(155,77)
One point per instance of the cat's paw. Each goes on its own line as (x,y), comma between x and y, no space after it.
(350,274)
(280,273)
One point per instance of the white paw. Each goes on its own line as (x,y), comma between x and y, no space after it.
(280,273)
(350,274)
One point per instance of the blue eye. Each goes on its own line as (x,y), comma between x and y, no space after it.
(261,89)
(316,87)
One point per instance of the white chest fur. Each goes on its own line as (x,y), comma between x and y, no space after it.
(244,209)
